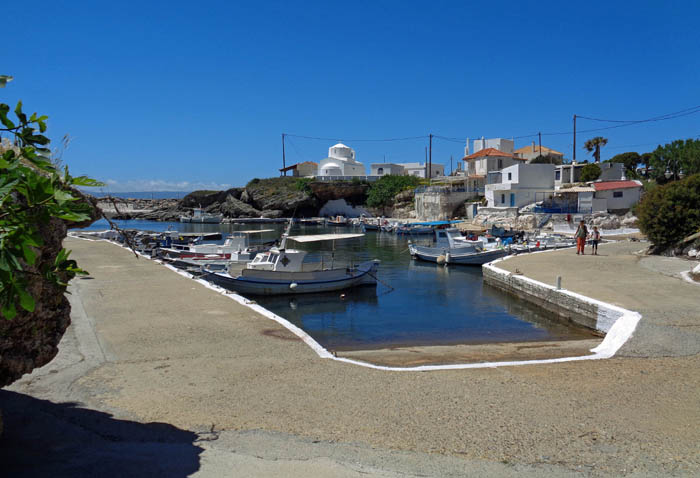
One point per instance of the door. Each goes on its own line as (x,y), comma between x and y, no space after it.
(512,199)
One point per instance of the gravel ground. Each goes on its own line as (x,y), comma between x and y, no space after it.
(148,345)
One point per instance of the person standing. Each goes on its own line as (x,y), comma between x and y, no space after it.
(595,238)
(581,234)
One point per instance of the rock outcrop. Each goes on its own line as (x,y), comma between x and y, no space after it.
(354,193)
(31,339)
(233,207)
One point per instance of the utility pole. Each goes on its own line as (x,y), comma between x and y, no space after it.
(451,165)
(574,160)
(430,158)
(284,160)
(540,136)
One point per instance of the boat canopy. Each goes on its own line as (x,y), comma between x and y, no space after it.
(322,237)
(433,223)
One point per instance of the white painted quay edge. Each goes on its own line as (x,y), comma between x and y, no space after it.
(618,323)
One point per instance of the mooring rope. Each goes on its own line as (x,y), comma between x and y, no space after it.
(391,289)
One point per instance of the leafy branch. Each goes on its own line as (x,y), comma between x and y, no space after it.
(32,193)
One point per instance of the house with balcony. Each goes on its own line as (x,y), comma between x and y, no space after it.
(489,159)
(520,184)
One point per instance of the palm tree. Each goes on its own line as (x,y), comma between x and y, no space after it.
(593,146)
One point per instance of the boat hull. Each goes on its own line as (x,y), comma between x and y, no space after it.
(289,283)
(454,256)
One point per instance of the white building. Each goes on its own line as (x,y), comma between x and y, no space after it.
(341,162)
(384,169)
(619,195)
(571,173)
(489,159)
(421,169)
(505,145)
(520,185)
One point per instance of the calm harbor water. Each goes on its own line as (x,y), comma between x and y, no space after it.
(429,304)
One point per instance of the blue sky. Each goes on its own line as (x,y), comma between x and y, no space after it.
(181,95)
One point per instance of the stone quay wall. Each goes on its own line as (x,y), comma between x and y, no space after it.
(568,306)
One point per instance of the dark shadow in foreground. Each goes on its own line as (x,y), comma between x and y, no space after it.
(42,438)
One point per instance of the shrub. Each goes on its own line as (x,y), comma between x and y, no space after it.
(382,191)
(302,185)
(669,213)
(590,172)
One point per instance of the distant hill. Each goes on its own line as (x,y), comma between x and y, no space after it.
(140,194)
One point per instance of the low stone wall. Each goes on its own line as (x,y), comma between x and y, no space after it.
(569,306)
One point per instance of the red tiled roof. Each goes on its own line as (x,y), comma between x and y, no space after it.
(490,152)
(608,185)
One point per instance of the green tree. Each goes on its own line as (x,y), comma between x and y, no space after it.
(383,190)
(675,160)
(670,212)
(590,172)
(593,145)
(32,192)
(631,160)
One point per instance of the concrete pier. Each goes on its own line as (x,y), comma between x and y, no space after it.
(161,376)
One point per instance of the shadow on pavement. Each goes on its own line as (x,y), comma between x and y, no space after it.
(42,438)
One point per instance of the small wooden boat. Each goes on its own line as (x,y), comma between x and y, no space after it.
(337,221)
(285,271)
(200,217)
(238,243)
(451,248)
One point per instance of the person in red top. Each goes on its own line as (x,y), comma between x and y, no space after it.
(581,235)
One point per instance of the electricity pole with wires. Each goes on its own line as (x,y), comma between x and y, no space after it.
(430,160)
(284,160)
(574,159)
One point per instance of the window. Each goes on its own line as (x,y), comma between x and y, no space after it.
(503,198)
(617,194)
(380,171)
(500,164)
(557,175)
(510,176)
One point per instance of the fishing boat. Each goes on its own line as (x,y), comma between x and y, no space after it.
(452,248)
(287,271)
(237,246)
(200,217)
(338,221)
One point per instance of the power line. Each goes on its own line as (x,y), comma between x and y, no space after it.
(408,138)
(677,114)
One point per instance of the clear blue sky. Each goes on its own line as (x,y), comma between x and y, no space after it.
(155,94)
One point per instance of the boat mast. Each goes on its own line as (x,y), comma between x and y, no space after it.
(283,244)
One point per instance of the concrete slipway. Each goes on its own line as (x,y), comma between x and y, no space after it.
(168,378)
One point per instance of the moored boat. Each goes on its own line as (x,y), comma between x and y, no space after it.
(287,271)
(451,248)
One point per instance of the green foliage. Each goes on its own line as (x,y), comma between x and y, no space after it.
(631,160)
(590,172)
(669,213)
(383,190)
(593,145)
(32,191)
(303,184)
(677,158)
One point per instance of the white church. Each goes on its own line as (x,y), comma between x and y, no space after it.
(341,162)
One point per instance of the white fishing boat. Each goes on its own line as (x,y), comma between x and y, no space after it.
(200,217)
(237,246)
(288,271)
(451,247)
